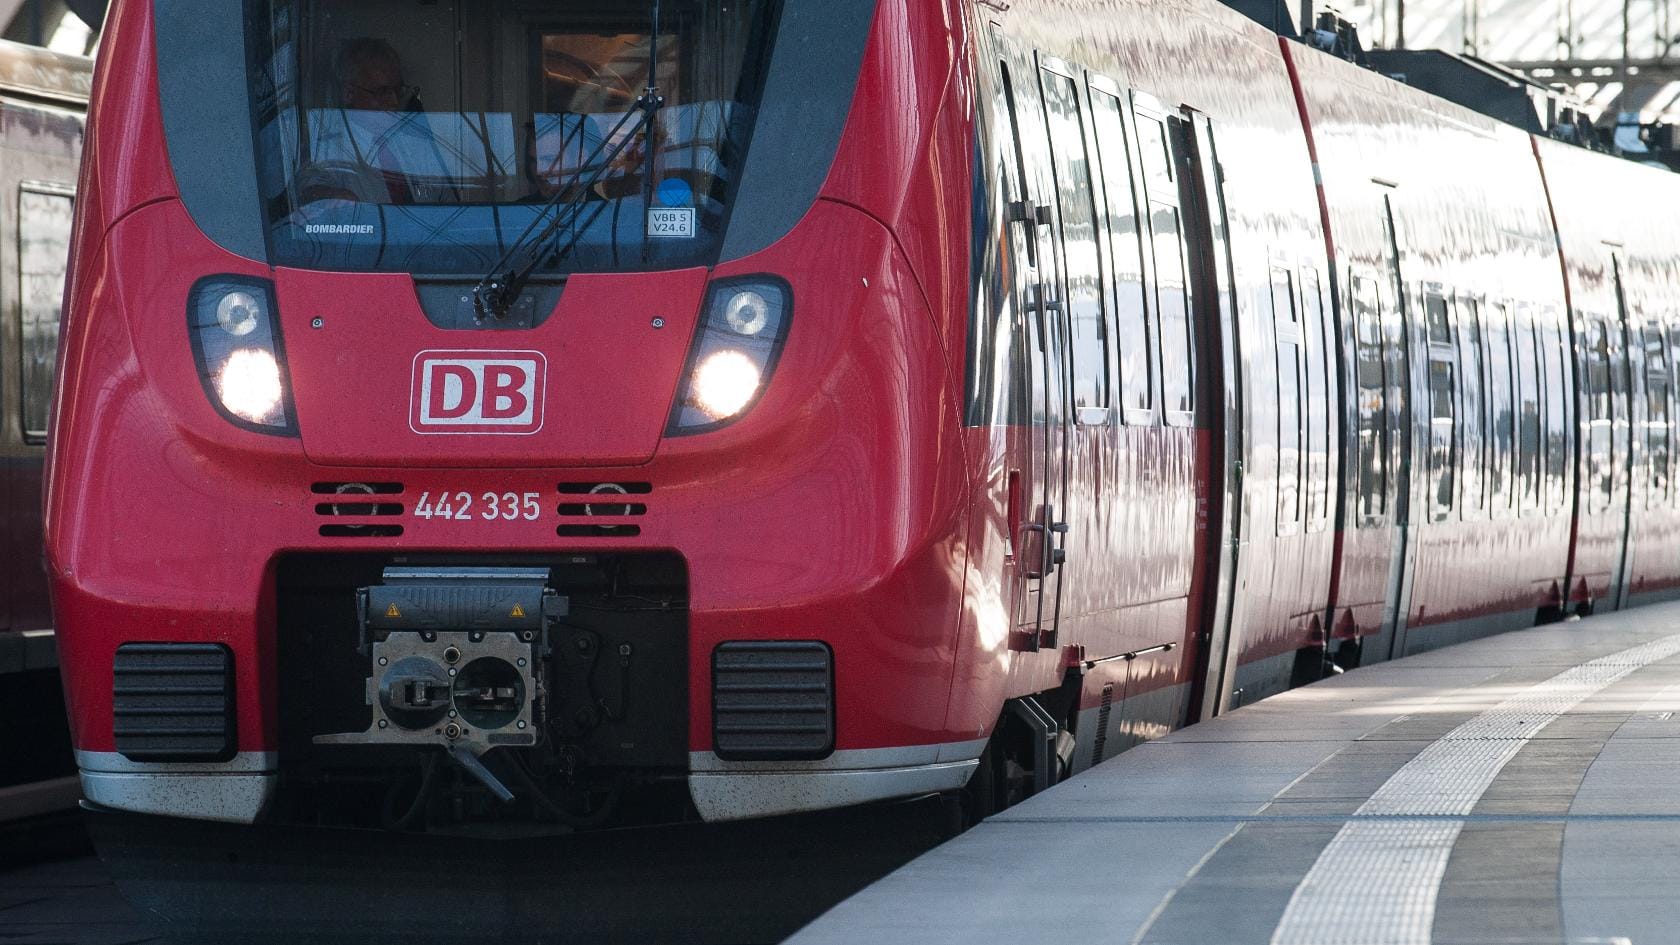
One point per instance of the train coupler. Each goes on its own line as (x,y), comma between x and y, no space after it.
(457,661)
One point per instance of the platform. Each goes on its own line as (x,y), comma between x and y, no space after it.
(1523,788)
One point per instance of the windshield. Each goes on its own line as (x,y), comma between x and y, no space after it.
(425,137)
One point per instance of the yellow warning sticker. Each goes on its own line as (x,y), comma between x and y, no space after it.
(392,610)
(518,611)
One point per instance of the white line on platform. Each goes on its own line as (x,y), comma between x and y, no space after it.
(1377,881)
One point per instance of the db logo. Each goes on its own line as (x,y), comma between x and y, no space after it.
(478,392)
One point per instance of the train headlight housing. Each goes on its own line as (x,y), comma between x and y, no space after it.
(741,333)
(236,341)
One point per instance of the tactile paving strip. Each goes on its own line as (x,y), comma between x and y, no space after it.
(1377,881)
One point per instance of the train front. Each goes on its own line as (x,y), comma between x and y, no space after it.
(474,410)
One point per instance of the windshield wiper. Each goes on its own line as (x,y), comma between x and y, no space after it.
(496,293)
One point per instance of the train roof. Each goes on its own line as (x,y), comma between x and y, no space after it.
(43,75)
(1484,87)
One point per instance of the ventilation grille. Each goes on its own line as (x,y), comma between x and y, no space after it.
(174,702)
(772,701)
(353,503)
(602,509)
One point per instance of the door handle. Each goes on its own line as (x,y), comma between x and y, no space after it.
(1026,211)
(1041,298)
(1057,528)
(1052,557)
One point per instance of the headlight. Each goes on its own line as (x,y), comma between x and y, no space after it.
(747,312)
(239,313)
(236,342)
(725,383)
(735,351)
(250,385)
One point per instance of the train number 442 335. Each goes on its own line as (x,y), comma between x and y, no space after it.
(488,507)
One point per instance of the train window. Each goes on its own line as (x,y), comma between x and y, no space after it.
(1172,296)
(44,216)
(1172,285)
(1320,365)
(1657,418)
(1597,345)
(1527,350)
(1028,396)
(1436,321)
(1157,160)
(1373,427)
(1443,382)
(1079,241)
(1557,420)
(1502,431)
(1674,389)
(1289,364)
(394,136)
(1126,242)
(1473,443)
(1000,348)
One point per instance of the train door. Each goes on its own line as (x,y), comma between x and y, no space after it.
(1081,319)
(1037,489)
(1179,243)
(1215,590)
(1621,439)
(1397,346)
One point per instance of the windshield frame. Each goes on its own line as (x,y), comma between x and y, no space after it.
(203,77)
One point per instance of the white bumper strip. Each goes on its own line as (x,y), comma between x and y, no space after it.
(737,790)
(235,791)
(851,759)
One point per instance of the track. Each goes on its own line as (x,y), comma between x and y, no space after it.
(754,882)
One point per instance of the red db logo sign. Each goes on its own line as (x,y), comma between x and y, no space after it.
(498,392)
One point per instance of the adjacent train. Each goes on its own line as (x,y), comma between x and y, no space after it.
(609,413)
(43,100)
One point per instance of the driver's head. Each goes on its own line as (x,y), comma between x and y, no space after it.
(371,76)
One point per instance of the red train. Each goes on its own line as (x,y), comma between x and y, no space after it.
(633,412)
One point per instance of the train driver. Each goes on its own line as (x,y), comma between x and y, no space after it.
(376,147)
(370,76)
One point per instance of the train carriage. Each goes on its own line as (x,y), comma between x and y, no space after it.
(1451,290)
(1620,272)
(43,98)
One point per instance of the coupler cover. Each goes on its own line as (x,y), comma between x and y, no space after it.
(508,599)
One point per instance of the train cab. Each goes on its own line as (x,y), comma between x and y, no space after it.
(502,399)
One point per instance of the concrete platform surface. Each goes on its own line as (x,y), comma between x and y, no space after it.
(1515,790)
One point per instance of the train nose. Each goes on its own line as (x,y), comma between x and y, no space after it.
(375,382)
